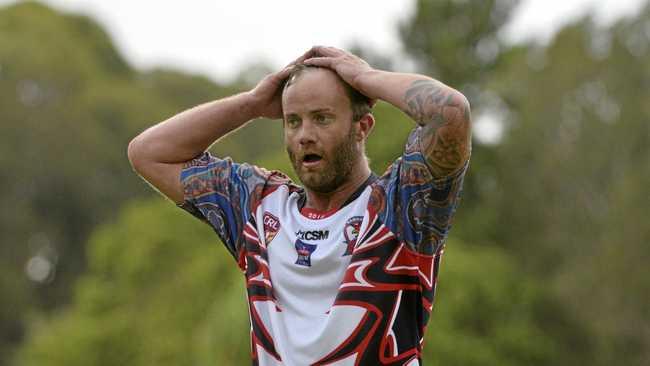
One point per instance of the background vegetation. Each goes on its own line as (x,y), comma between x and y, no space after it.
(547,262)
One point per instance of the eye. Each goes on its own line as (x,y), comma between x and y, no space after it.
(322,119)
(293,122)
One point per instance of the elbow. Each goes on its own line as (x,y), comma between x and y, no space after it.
(456,113)
(134,153)
(461,103)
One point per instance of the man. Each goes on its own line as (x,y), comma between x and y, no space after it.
(342,271)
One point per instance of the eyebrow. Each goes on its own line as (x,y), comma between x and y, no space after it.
(321,110)
(318,110)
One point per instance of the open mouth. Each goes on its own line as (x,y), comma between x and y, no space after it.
(311,158)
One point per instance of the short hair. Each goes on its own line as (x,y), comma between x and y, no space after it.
(360,104)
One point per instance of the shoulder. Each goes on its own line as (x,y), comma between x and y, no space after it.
(227,168)
(236,182)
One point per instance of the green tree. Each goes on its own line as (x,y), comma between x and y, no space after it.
(488,313)
(160,289)
(458,43)
(573,177)
(70,104)
(566,190)
(456,40)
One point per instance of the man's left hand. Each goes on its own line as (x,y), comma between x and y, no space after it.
(348,66)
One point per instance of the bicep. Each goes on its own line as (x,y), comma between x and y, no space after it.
(417,206)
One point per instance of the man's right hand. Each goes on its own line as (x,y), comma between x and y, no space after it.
(267,94)
(158,153)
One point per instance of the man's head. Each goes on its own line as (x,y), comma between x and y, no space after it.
(326,123)
(360,104)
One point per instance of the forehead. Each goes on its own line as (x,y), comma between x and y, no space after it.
(316,88)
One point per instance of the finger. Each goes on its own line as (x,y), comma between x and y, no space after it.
(319,61)
(309,54)
(328,51)
(282,74)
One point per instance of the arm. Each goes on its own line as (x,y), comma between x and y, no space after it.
(442,112)
(158,153)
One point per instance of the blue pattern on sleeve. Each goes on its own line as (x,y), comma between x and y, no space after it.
(419,207)
(221,193)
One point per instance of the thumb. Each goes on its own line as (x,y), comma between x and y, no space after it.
(282,74)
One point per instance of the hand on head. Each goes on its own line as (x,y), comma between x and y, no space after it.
(348,66)
(268,92)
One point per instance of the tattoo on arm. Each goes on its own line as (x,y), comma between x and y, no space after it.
(444,116)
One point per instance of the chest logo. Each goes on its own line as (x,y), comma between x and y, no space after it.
(351,233)
(271,227)
(313,234)
(304,251)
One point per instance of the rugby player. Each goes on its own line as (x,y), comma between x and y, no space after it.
(342,269)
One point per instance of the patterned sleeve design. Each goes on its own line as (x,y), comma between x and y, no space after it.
(223,194)
(415,205)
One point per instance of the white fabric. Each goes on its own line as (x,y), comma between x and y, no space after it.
(307,327)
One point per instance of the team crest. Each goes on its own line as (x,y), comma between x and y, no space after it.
(351,233)
(304,251)
(271,227)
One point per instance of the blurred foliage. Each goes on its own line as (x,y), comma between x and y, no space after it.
(573,176)
(164,296)
(546,264)
(70,104)
(171,296)
(456,39)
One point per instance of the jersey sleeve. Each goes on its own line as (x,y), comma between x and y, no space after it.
(222,194)
(419,207)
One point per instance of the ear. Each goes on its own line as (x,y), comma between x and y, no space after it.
(366,123)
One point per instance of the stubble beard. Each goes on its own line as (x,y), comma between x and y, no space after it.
(336,172)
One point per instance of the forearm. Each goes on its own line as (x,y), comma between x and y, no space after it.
(189,133)
(443,113)
(424,99)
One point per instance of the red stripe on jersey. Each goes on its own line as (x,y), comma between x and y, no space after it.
(406,261)
(361,347)
(389,342)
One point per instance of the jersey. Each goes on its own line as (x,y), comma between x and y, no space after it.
(351,287)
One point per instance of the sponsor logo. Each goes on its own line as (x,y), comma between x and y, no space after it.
(313,234)
(304,252)
(271,227)
(351,233)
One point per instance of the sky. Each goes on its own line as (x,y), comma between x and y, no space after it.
(220,38)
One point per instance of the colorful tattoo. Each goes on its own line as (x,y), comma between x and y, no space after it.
(444,117)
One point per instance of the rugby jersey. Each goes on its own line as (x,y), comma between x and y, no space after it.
(355,287)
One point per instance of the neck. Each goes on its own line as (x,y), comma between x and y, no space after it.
(335,199)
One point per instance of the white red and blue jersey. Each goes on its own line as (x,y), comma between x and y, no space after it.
(350,287)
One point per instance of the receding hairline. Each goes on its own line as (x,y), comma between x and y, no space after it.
(359,103)
(301,69)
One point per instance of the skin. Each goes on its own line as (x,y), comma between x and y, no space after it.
(158,153)
(443,112)
(318,120)
(445,118)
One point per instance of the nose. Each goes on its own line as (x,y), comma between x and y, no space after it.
(306,133)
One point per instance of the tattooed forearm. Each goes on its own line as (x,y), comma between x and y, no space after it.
(444,116)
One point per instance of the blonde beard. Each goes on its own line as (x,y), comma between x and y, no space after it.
(346,157)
